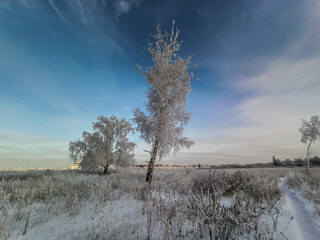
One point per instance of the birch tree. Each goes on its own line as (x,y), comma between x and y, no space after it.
(169,83)
(310,132)
(107,145)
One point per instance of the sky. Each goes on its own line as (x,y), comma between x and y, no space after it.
(64,63)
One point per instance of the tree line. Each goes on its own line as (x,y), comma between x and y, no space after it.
(315,160)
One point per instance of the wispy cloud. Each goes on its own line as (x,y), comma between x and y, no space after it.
(205,12)
(90,11)
(87,11)
(124,6)
(283,94)
(56,9)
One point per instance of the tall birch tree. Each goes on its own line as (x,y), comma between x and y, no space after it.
(169,84)
(310,132)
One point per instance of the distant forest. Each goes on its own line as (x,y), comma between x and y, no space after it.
(296,162)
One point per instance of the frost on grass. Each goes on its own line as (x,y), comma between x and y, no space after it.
(190,204)
(308,185)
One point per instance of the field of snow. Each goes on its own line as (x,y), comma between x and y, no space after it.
(181,204)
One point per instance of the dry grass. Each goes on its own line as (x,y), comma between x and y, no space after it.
(185,204)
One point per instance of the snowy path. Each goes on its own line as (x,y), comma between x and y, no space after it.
(298,213)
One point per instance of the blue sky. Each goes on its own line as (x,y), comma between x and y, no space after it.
(64,63)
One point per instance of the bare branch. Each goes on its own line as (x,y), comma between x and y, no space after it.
(147,151)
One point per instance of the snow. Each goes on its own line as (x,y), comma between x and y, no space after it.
(297,221)
(125,216)
(226,202)
(92,222)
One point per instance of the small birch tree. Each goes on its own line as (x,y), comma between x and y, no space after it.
(310,132)
(169,83)
(106,146)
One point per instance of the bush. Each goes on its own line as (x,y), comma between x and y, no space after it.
(315,160)
(299,161)
(276,162)
(288,162)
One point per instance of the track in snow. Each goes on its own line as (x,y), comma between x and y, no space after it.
(302,226)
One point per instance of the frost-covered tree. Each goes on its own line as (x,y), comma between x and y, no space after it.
(107,145)
(310,132)
(169,83)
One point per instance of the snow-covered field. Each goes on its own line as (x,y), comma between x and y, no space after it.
(181,204)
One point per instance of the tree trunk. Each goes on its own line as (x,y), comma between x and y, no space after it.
(105,169)
(308,156)
(152,161)
(155,150)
